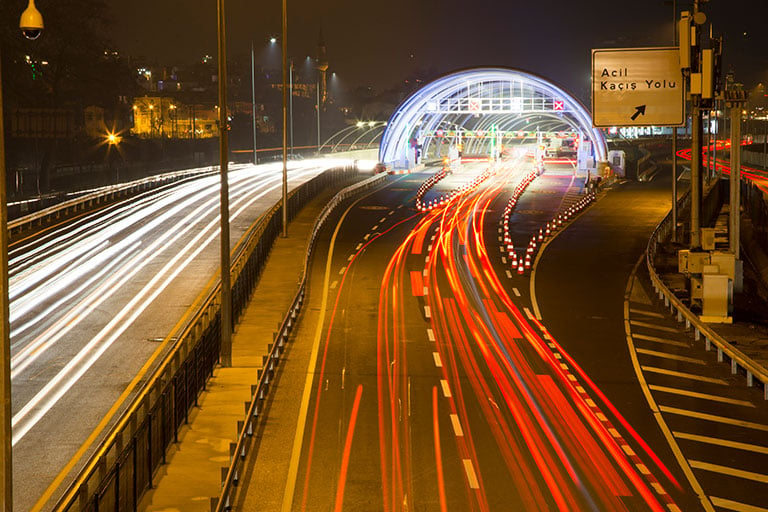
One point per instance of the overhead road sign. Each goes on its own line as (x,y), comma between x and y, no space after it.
(637,87)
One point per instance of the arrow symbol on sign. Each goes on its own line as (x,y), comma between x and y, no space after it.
(638,111)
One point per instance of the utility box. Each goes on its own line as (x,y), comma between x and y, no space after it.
(731,267)
(708,239)
(691,262)
(717,296)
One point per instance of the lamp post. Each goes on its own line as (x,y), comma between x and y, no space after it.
(290,103)
(285,118)
(31,25)
(253,101)
(226,286)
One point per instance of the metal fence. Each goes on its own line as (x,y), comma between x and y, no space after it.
(121,469)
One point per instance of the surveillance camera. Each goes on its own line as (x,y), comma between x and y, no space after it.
(31,33)
(31,23)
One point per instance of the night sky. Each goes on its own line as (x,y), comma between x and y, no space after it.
(382,43)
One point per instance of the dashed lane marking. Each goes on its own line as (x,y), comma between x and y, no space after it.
(430,334)
(471,476)
(446,388)
(516,292)
(333,285)
(438,361)
(456,425)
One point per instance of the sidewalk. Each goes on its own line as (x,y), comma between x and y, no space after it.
(192,475)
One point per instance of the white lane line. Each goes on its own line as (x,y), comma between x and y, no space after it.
(664,355)
(638,323)
(333,285)
(427,312)
(359,246)
(714,418)
(382,220)
(722,442)
(516,292)
(457,430)
(351,257)
(509,274)
(429,248)
(425,273)
(501,248)
(725,470)
(683,375)
(391,212)
(446,388)
(430,334)
(424,291)
(374,228)
(438,361)
(433,237)
(735,505)
(703,396)
(500,239)
(646,313)
(341,271)
(504,261)
(471,476)
(528,313)
(664,341)
(367,236)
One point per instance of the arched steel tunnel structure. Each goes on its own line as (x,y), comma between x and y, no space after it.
(483,108)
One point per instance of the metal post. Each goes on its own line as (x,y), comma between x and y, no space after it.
(674,138)
(285,119)
(226,286)
(695,172)
(6,466)
(317,90)
(290,104)
(253,101)
(733,217)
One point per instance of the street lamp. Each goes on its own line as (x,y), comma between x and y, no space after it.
(226,284)
(31,25)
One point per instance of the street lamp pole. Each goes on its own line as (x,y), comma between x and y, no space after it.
(290,104)
(317,91)
(226,285)
(5,381)
(285,119)
(674,138)
(253,101)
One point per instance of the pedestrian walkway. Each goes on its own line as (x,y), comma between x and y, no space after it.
(192,475)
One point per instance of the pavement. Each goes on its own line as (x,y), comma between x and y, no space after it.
(192,474)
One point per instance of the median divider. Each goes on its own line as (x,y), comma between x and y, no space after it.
(122,468)
(259,392)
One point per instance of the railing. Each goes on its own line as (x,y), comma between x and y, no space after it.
(740,363)
(122,467)
(239,450)
(103,195)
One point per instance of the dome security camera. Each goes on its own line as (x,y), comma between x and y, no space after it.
(31,23)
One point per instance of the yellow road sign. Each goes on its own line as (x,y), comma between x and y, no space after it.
(637,87)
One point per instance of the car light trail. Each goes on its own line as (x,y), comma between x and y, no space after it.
(119,260)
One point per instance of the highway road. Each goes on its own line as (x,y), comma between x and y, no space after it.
(93,301)
(434,383)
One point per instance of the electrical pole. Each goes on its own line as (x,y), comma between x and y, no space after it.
(226,285)
(674,138)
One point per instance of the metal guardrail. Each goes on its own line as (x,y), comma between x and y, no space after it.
(740,363)
(239,450)
(122,467)
(103,195)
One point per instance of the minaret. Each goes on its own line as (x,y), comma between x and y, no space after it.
(322,67)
